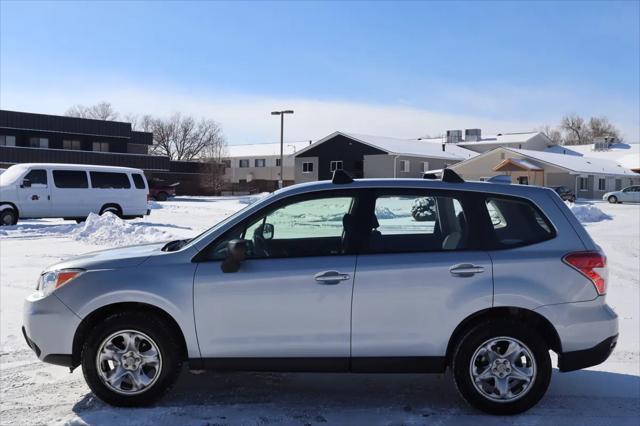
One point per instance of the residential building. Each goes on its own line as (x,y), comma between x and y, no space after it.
(256,167)
(473,140)
(366,156)
(41,138)
(589,177)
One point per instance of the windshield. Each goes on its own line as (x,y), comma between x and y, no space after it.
(220,224)
(12,174)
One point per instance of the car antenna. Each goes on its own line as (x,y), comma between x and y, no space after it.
(340,177)
(450,176)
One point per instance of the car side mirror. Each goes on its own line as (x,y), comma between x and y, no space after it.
(26,183)
(267,231)
(236,254)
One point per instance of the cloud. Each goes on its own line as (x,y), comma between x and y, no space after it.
(247,119)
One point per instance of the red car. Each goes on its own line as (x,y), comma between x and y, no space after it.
(161,192)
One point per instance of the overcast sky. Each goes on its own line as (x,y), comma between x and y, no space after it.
(394,69)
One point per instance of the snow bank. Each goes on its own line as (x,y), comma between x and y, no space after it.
(110,230)
(587,212)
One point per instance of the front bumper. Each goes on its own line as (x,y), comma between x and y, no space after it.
(48,328)
(576,360)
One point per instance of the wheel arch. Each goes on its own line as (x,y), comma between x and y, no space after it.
(103,312)
(534,319)
(116,205)
(10,204)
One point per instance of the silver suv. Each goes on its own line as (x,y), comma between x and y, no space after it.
(342,276)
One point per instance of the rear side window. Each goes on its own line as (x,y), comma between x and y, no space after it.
(109,180)
(517,222)
(37,177)
(138,181)
(70,179)
(415,223)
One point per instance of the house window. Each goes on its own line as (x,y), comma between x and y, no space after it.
(277,162)
(523,180)
(259,162)
(307,167)
(335,165)
(405,166)
(602,184)
(583,184)
(618,184)
(7,140)
(71,144)
(101,146)
(244,164)
(425,166)
(39,142)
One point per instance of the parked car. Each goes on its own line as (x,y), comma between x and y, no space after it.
(161,191)
(565,193)
(70,191)
(337,276)
(630,194)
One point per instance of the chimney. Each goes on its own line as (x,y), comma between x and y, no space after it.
(454,136)
(472,135)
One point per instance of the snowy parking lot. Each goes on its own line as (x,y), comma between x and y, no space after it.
(32,392)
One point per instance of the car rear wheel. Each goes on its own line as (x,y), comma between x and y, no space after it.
(129,359)
(502,367)
(8,217)
(613,199)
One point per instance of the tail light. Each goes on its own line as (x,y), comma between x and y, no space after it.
(591,264)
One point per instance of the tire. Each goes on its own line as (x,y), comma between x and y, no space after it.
(161,196)
(471,359)
(8,217)
(111,209)
(613,199)
(150,332)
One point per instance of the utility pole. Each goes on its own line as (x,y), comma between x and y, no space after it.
(281,114)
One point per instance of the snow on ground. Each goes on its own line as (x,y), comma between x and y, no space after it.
(587,212)
(32,392)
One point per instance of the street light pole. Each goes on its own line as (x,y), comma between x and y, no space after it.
(281,114)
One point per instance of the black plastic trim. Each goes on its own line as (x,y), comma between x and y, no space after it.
(30,342)
(428,364)
(59,359)
(577,360)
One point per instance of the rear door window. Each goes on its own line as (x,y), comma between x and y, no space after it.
(138,181)
(416,222)
(109,180)
(70,179)
(517,222)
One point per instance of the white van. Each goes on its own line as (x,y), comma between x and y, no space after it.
(71,191)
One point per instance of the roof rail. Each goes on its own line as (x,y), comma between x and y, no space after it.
(500,179)
(340,177)
(450,176)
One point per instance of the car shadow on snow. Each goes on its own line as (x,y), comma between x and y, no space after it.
(583,397)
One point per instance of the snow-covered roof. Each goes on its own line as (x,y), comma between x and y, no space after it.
(561,149)
(414,147)
(264,149)
(499,139)
(627,154)
(523,163)
(575,163)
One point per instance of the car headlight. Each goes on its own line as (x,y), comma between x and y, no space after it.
(52,280)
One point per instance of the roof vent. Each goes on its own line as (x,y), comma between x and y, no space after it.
(454,136)
(472,135)
(450,176)
(340,177)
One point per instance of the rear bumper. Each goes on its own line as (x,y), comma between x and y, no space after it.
(576,360)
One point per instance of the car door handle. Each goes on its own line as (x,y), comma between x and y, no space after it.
(330,277)
(35,197)
(466,269)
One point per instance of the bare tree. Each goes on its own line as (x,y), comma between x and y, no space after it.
(576,130)
(185,138)
(601,127)
(100,111)
(552,133)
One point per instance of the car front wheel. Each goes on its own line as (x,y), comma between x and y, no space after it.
(130,359)
(8,217)
(613,199)
(502,367)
